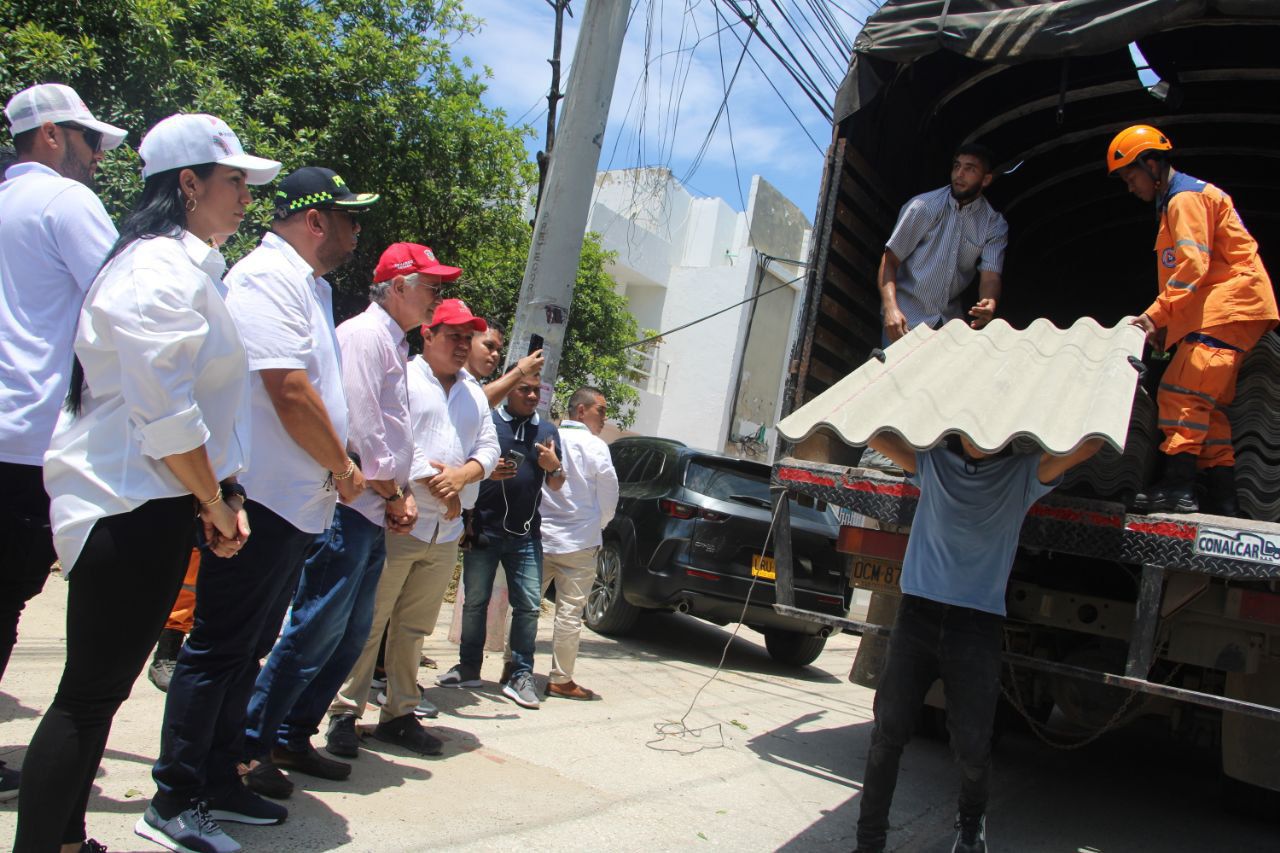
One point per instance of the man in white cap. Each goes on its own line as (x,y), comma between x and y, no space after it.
(54,235)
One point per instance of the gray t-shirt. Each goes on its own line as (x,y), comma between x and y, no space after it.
(966,527)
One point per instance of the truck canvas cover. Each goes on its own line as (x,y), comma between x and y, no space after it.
(1010,31)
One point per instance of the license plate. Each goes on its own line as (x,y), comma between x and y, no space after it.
(763,567)
(876,575)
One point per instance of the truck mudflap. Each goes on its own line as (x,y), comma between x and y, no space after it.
(1212,545)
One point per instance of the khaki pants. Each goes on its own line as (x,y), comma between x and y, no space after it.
(573,574)
(407,603)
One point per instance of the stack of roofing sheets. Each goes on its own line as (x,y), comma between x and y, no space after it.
(1111,474)
(1255,431)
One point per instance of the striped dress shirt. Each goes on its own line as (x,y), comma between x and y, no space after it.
(940,245)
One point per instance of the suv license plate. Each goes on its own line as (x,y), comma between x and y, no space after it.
(876,575)
(763,567)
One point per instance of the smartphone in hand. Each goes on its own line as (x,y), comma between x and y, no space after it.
(515,457)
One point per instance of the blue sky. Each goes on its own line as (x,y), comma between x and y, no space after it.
(663,118)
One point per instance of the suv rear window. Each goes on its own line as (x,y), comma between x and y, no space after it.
(727,482)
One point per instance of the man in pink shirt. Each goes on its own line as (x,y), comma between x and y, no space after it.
(333,608)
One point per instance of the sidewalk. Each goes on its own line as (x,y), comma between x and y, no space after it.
(570,776)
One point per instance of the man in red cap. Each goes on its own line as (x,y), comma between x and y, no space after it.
(333,607)
(455,445)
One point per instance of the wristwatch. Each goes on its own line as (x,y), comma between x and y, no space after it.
(399,493)
(556,473)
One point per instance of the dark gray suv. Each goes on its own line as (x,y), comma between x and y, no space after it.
(689,536)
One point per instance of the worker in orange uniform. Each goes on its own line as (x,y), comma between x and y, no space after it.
(1215,303)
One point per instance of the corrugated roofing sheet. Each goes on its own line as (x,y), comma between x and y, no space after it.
(1056,386)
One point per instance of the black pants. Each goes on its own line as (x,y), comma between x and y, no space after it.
(26,547)
(240,603)
(930,641)
(121,590)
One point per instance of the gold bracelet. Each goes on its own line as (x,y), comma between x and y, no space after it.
(213,501)
(348,473)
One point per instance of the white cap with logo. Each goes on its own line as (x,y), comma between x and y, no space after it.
(57,103)
(191,139)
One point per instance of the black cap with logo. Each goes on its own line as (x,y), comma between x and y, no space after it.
(318,187)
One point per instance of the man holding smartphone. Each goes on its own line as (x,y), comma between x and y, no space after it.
(508,533)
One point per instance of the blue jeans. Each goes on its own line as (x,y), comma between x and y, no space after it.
(241,602)
(931,641)
(521,559)
(328,626)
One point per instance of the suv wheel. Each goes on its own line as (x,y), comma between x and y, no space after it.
(792,647)
(607,611)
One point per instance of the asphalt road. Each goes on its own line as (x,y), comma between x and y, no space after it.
(772,760)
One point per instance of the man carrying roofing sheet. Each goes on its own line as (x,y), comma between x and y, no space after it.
(950,622)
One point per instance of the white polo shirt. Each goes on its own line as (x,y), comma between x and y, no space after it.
(54,236)
(165,373)
(574,516)
(449,428)
(285,315)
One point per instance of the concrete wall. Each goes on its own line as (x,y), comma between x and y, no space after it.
(681,258)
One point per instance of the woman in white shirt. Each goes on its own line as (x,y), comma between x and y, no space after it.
(144,457)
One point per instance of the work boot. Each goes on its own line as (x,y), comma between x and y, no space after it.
(1222,492)
(166,658)
(1176,492)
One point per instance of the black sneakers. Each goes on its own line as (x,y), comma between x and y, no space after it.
(342,738)
(971,834)
(406,731)
(9,781)
(459,676)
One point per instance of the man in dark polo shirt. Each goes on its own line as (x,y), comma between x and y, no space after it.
(507,525)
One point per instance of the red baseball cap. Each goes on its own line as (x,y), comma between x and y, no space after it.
(410,258)
(454,312)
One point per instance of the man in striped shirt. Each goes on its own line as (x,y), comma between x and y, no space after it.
(941,239)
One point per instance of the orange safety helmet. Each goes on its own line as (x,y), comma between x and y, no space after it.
(1131,142)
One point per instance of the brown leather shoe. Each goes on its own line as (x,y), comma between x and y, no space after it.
(570,690)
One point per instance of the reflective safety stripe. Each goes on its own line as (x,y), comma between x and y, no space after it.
(1178,389)
(1216,441)
(1201,246)
(1181,285)
(1182,423)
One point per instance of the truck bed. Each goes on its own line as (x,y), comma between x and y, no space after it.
(1209,544)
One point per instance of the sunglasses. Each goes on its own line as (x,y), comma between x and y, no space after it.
(92,138)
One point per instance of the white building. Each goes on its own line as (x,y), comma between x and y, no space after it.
(716,385)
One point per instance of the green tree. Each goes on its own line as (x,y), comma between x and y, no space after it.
(367,87)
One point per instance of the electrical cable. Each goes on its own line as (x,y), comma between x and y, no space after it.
(684,326)
(772,85)
(678,729)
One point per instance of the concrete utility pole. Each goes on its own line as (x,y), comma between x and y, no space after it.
(546,293)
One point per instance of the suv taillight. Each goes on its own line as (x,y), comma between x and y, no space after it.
(675,509)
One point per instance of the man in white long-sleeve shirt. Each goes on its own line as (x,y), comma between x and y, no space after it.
(455,446)
(573,519)
(54,236)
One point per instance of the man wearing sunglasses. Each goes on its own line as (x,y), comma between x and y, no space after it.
(54,235)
